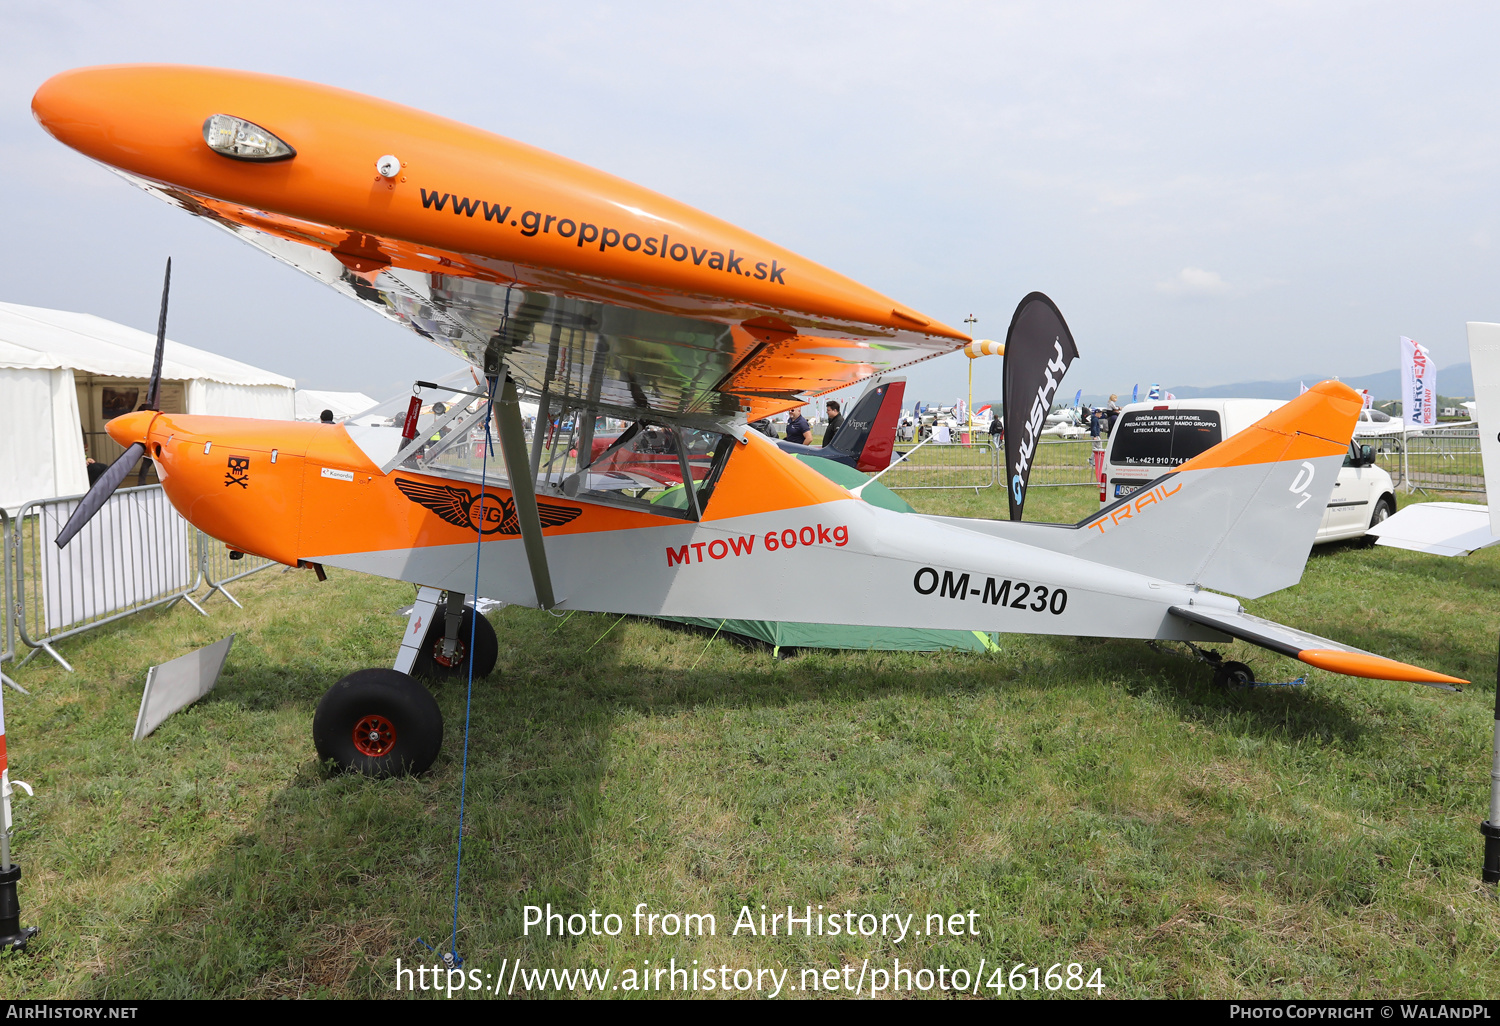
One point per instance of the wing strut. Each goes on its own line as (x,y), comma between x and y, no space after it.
(523,489)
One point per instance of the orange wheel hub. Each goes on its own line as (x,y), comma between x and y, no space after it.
(374,735)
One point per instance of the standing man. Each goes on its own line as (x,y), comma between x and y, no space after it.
(798,430)
(835,421)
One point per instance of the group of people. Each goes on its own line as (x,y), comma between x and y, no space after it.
(799,431)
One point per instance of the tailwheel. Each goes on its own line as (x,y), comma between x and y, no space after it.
(1229,674)
(432,665)
(378,722)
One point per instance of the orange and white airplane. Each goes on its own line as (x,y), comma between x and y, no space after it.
(591,296)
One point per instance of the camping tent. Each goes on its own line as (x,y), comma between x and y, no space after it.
(312,403)
(63,375)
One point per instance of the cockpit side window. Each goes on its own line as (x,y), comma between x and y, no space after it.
(643,464)
(667,469)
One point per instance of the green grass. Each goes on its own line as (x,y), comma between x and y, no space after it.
(1094,801)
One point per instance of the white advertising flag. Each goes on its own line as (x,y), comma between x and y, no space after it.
(1484,358)
(1418,384)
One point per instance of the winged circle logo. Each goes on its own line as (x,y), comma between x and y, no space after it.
(463,508)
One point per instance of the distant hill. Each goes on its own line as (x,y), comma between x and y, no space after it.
(1451,381)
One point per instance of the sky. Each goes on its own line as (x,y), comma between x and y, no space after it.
(1210,193)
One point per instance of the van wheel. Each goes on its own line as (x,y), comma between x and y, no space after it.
(1383,511)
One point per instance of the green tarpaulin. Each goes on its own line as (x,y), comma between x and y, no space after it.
(781,634)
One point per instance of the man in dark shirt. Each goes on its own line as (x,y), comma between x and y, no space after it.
(835,421)
(798,430)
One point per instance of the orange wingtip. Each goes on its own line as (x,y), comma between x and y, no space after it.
(1359,664)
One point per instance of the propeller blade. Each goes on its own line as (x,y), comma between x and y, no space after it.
(153,390)
(153,393)
(100,493)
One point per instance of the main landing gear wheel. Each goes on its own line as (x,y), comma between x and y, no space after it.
(430,663)
(378,722)
(1230,674)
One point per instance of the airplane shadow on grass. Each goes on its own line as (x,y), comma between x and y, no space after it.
(339,875)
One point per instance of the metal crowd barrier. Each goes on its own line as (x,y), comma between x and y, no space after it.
(217,568)
(8,629)
(137,553)
(1061,462)
(974,465)
(1440,459)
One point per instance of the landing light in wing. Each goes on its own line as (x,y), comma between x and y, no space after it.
(242,140)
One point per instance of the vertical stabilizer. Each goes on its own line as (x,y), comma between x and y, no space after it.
(868,433)
(1242,516)
(1239,518)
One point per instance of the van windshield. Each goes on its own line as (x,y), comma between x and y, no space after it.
(1164,438)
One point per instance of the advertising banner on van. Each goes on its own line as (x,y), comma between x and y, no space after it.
(1418,384)
(1039,349)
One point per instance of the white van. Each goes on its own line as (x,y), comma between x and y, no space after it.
(1153,437)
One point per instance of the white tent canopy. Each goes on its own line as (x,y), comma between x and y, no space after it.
(62,374)
(311,403)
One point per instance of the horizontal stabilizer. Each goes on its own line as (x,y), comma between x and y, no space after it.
(1311,649)
(1438,528)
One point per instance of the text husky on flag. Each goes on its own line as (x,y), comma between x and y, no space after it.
(1038,351)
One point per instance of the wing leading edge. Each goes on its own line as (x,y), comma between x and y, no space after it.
(586,286)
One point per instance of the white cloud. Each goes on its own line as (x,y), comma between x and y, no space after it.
(1194,281)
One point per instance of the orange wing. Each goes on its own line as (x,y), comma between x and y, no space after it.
(582,283)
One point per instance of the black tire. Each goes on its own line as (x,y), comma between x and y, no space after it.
(399,721)
(1230,674)
(1385,508)
(429,663)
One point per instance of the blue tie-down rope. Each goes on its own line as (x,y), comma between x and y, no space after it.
(1295,683)
(451,960)
(463,786)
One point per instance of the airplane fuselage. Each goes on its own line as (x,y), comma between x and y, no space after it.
(307,494)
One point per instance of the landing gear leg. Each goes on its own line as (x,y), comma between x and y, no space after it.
(453,620)
(417,625)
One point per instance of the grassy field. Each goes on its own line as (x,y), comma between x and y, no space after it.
(1093,802)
